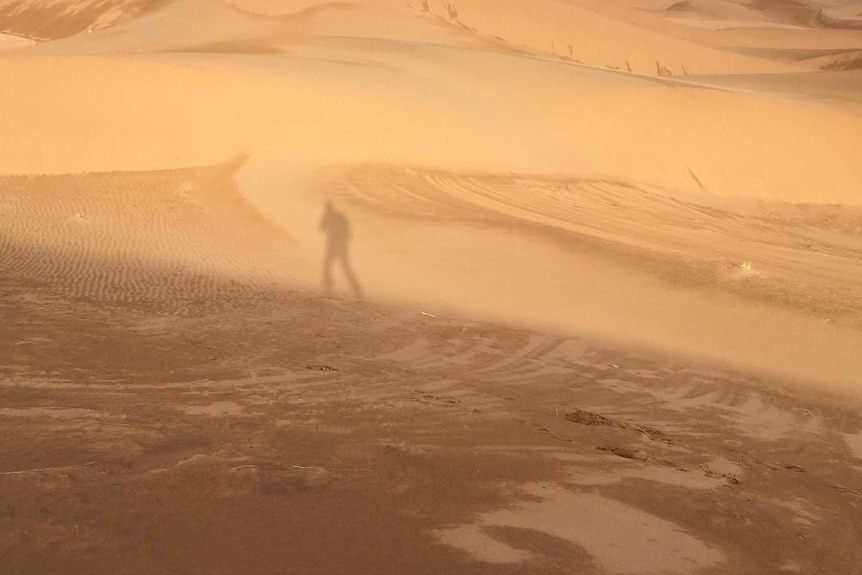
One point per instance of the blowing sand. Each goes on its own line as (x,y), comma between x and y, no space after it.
(610,259)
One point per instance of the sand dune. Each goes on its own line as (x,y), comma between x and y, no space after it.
(579,32)
(617,262)
(101,233)
(767,30)
(805,13)
(644,209)
(305,91)
(844,15)
(168,30)
(586,125)
(50,19)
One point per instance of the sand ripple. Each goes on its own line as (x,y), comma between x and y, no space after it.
(135,237)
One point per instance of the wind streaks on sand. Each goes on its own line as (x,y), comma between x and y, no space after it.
(692,242)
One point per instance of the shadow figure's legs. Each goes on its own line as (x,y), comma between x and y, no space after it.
(328,263)
(351,278)
(338,254)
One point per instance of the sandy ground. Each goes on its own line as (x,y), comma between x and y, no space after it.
(12,42)
(607,313)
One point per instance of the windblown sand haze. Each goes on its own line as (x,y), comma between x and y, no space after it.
(416,286)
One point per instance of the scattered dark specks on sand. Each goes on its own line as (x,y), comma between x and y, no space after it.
(779,466)
(637,454)
(321,367)
(450,400)
(588,418)
(730,477)
(847,490)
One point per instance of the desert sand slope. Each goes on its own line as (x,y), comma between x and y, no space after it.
(600,321)
(786,32)
(336,97)
(223,29)
(49,19)
(12,42)
(270,432)
(586,34)
(314,93)
(834,87)
(843,15)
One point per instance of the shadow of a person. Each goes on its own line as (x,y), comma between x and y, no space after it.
(336,226)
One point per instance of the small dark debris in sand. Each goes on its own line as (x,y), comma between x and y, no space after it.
(846,490)
(671,464)
(730,477)
(439,398)
(638,454)
(779,466)
(589,418)
(321,367)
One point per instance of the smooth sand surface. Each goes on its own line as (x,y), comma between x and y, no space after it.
(12,42)
(646,210)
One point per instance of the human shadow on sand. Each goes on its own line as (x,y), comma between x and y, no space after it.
(336,226)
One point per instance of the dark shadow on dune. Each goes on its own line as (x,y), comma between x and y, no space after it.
(336,226)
